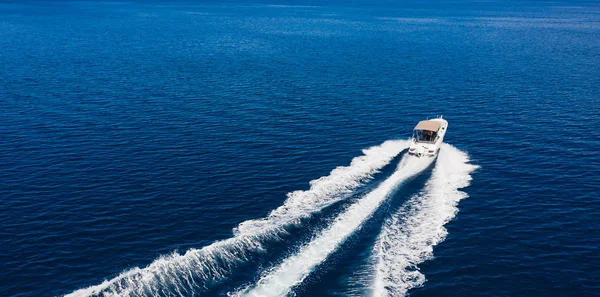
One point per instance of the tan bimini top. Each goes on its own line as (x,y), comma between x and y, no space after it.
(428,125)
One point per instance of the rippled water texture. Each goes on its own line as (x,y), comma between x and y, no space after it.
(244,148)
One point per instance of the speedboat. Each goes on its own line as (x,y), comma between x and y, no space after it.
(427,138)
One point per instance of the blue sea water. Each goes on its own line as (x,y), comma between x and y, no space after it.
(133,130)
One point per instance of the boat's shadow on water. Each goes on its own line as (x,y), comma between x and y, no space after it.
(348,271)
(288,243)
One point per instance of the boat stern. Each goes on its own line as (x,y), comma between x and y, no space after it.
(422,149)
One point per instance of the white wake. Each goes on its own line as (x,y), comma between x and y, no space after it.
(280,280)
(408,237)
(181,273)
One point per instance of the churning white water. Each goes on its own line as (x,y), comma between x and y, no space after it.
(280,280)
(408,237)
(182,273)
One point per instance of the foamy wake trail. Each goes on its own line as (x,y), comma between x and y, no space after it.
(408,237)
(280,280)
(181,274)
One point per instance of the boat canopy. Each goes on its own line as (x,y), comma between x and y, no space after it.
(428,125)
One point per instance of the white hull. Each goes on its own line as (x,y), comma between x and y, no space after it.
(429,148)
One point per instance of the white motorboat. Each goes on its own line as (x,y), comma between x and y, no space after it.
(427,138)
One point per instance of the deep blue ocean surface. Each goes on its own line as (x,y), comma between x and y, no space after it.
(138,140)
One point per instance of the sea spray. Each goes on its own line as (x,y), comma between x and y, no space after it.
(408,237)
(184,273)
(280,280)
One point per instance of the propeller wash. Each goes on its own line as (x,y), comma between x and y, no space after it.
(186,273)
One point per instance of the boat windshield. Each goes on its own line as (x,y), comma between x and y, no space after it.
(424,136)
